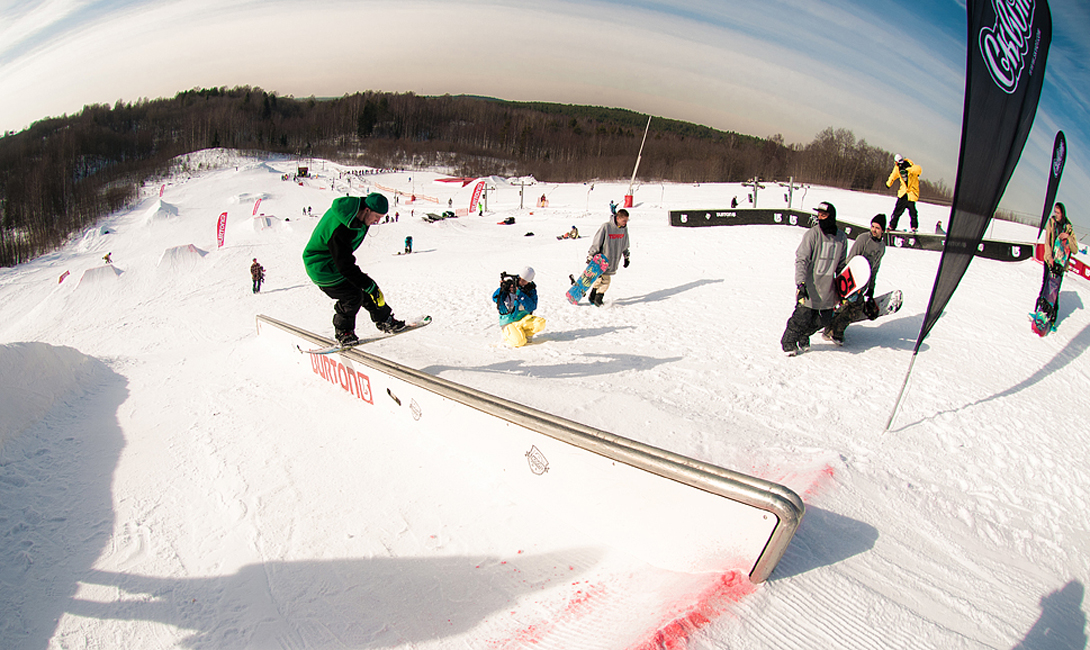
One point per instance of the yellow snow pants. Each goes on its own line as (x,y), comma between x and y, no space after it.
(518,333)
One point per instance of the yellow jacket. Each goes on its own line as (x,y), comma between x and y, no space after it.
(912,187)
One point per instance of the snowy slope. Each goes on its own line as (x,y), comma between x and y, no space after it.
(168,480)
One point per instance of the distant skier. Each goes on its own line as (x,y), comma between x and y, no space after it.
(1060,244)
(818,259)
(106,258)
(516,300)
(408,244)
(611,240)
(734,203)
(330,264)
(908,173)
(257,274)
(613,207)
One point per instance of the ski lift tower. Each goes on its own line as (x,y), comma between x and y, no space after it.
(791,187)
(523,183)
(632,183)
(755,183)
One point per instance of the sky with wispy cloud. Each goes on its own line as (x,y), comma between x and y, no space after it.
(893,73)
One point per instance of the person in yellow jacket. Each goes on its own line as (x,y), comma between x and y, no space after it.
(909,192)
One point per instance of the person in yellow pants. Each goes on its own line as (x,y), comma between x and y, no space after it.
(516,300)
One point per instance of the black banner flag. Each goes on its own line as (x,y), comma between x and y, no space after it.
(1004,71)
(1059,156)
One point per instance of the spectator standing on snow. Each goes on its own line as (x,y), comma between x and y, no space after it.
(1060,245)
(818,259)
(611,240)
(257,274)
(871,246)
(331,264)
(516,300)
(908,193)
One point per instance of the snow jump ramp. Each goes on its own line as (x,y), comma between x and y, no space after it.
(704,518)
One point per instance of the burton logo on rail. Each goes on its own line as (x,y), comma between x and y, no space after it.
(336,372)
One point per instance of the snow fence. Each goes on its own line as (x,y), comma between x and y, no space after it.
(671,511)
(1003,251)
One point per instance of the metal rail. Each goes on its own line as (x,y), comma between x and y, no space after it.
(770,497)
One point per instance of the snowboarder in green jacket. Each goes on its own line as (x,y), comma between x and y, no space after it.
(331,264)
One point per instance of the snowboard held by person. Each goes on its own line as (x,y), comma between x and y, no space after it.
(331,264)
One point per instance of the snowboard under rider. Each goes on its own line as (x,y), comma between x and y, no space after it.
(331,264)
(1060,243)
(819,258)
(908,193)
(611,240)
(257,274)
(872,246)
(516,300)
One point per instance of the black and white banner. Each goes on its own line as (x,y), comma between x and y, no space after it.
(1059,156)
(1005,68)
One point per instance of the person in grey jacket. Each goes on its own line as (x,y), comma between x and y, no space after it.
(611,240)
(818,260)
(872,246)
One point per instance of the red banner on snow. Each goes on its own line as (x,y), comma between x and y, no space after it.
(221,229)
(477,189)
(256,204)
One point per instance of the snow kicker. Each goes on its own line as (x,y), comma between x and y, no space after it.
(671,511)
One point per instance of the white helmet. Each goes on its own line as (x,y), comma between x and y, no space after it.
(527,273)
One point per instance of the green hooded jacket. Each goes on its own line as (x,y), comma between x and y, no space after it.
(328,256)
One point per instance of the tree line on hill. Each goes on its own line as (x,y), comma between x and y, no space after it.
(62,174)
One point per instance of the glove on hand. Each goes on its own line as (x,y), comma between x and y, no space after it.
(800,292)
(376,295)
(625,264)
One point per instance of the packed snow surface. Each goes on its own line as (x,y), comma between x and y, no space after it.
(170,480)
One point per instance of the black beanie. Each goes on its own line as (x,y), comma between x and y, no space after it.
(880,219)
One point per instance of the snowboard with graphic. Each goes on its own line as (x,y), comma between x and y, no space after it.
(855,276)
(598,265)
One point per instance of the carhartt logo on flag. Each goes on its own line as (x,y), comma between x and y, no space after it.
(1005,44)
(221,229)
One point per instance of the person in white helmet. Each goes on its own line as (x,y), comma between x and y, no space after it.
(516,300)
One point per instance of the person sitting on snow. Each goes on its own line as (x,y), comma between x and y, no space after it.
(516,300)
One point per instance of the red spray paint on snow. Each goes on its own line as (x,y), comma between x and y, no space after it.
(728,589)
